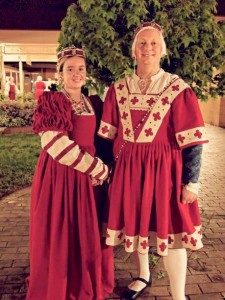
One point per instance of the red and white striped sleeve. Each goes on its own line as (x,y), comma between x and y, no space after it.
(67,152)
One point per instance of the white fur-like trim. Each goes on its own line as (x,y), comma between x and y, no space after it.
(192,187)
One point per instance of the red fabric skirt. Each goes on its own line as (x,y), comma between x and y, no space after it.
(145,201)
(65,249)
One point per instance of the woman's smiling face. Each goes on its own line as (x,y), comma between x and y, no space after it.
(148,47)
(74,72)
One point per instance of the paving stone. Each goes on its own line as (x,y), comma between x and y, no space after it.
(214,261)
(204,270)
(212,241)
(198,278)
(2,280)
(160,281)
(10,288)
(158,291)
(19,243)
(125,266)
(7,238)
(221,269)
(121,274)
(212,287)
(12,271)
(214,296)
(8,250)
(14,256)
(23,250)
(5,263)
(214,254)
(217,277)
(21,263)
(220,247)
(164,298)
(219,235)
(192,289)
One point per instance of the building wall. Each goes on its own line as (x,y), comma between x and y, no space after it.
(213,111)
(222,112)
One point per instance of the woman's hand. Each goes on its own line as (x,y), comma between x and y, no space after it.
(187,197)
(96,182)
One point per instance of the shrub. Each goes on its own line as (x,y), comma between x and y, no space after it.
(16,113)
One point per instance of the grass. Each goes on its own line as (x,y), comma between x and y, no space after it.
(18,157)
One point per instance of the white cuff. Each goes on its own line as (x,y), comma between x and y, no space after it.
(192,187)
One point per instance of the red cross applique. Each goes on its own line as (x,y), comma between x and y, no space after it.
(185,239)
(120,236)
(134,100)
(181,138)
(175,87)
(128,243)
(170,240)
(127,131)
(144,244)
(200,232)
(163,247)
(193,241)
(157,116)
(122,100)
(198,134)
(148,132)
(124,115)
(150,101)
(165,101)
(120,87)
(105,129)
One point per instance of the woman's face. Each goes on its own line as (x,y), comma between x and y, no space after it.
(74,73)
(148,47)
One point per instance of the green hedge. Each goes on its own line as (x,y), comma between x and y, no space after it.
(16,113)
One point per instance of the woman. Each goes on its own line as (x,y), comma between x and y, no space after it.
(154,119)
(65,250)
(11,89)
(39,87)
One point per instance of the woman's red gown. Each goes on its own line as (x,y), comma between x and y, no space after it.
(65,249)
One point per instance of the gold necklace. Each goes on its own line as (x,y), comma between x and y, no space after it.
(144,83)
(77,106)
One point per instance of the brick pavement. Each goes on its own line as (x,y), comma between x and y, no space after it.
(206,267)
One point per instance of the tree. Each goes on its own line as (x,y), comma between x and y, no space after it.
(195,42)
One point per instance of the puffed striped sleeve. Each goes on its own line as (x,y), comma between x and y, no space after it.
(53,112)
(52,120)
(67,152)
(187,120)
(109,122)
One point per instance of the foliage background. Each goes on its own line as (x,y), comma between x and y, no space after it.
(195,42)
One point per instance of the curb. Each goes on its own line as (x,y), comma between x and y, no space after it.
(15,130)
